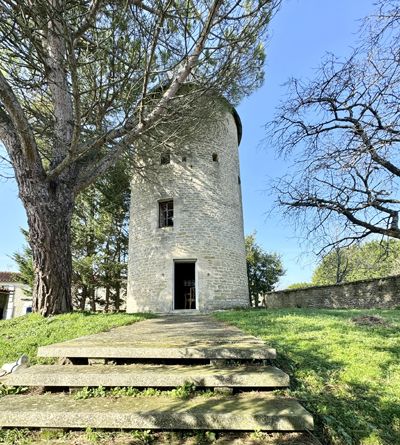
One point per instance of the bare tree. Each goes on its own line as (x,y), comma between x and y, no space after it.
(83,81)
(342,131)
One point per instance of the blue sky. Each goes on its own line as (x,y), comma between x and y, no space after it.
(301,33)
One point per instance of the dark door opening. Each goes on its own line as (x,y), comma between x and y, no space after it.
(3,304)
(185,286)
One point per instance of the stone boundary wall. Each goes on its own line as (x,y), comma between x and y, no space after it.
(382,293)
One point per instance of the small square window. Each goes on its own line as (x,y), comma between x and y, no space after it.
(165,158)
(166,213)
(215,157)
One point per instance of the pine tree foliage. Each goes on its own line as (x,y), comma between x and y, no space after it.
(84,81)
(100,242)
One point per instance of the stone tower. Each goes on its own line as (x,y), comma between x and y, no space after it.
(186,241)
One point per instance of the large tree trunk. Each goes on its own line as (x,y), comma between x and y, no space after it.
(49,217)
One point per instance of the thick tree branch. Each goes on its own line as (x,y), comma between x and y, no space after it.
(319,203)
(20,124)
(160,109)
(58,84)
(150,57)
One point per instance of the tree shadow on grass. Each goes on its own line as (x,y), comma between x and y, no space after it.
(345,412)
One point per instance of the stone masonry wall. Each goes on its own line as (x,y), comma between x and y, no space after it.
(383,293)
(208,225)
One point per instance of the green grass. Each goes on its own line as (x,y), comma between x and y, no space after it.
(23,335)
(185,391)
(346,374)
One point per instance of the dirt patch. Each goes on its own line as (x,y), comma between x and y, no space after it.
(369,320)
(267,439)
(55,437)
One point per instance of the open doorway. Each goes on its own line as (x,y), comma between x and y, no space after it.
(185,285)
(3,304)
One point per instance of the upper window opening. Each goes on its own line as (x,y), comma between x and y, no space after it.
(165,158)
(239,181)
(215,157)
(184,158)
(166,213)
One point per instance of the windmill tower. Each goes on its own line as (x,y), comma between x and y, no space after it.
(186,241)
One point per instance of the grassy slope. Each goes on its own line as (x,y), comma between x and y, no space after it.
(23,335)
(347,375)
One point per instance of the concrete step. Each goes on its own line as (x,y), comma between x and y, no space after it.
(151,351)
(244,412)
(169,337)
(146,376)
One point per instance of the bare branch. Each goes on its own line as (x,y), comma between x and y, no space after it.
(342,132)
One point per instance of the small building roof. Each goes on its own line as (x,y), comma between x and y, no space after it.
(9,277)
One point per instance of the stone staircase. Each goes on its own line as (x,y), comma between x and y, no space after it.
(162,353)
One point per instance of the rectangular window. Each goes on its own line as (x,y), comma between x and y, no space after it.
(166,213)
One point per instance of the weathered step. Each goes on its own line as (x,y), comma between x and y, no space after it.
(169,337)
(151,352)
(148,376)
(249,411)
